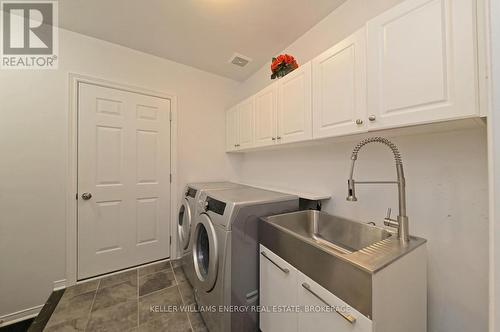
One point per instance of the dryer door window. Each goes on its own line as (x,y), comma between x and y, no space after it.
(205,253)
(184,224)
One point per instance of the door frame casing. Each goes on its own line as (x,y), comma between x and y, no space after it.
(72,163)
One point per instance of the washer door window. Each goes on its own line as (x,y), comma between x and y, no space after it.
(205,253)
(184,224)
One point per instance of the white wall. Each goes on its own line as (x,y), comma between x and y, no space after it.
(446,179)
(494,141)
(33,150)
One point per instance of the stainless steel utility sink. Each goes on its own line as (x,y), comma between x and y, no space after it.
(340,254)
(333,232)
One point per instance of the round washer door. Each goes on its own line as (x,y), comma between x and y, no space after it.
(184,224)
(205,253)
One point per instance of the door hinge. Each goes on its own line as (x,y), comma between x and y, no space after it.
(76,196)
(170,177)
(170,239)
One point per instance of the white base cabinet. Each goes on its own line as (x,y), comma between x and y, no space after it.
(399,299)
(278,281)
(341,317)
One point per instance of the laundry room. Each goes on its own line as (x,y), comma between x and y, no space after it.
(237,165)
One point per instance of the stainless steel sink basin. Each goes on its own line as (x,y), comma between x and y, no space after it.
(334,232)
(340,254)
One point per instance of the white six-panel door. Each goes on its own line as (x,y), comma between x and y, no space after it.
(339,88)
(124,164)
(421,63)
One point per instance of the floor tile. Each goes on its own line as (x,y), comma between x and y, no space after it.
(72,311)
(186,292)
(82,288)
(197,322)
(156,281)
(167,322)
(179,274)
(128,276)
(166,298)
(115,294)
(71,325)
(176,262)
(161,266)
(114,304)
(120,317)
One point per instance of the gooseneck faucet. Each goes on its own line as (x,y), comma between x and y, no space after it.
(402,220)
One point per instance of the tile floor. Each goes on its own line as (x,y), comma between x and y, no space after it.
(122,302)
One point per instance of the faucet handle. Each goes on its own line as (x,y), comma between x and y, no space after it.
(388,216)
(390,222)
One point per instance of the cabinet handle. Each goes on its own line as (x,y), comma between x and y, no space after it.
(279,137)
(372,118)
(347,317)
(274,138)
(359,122)
(285,270)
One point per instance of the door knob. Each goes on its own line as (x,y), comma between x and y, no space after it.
(372,118)
(359,122)
(86,196)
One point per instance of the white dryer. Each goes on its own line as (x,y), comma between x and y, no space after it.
(185,220)
(225,253)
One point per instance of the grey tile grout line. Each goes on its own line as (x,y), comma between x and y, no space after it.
(91,306)
(182,298)
(145,275)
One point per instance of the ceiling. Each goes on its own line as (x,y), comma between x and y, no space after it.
(199,33)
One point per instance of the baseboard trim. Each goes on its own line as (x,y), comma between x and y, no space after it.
(20,315)
(59,284)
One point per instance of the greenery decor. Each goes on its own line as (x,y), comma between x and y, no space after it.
(282,65)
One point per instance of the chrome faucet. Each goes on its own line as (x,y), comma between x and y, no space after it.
(402,220)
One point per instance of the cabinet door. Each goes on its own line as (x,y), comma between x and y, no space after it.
(323,311)
(231,129)
(266,107)
(339,88)
(246,124)
(295,105)
(278,287)
(421,63)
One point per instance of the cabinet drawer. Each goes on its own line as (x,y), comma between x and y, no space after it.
(278,289)
(323,311)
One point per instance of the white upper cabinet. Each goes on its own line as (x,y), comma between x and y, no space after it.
(232,129)
(339,88)
(421,63)
(414,64)
(246,124)
(266,108)
(295,105)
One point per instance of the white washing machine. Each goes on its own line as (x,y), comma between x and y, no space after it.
(185,220)
(225,253)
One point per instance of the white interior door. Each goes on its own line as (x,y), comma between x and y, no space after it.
(124,164)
